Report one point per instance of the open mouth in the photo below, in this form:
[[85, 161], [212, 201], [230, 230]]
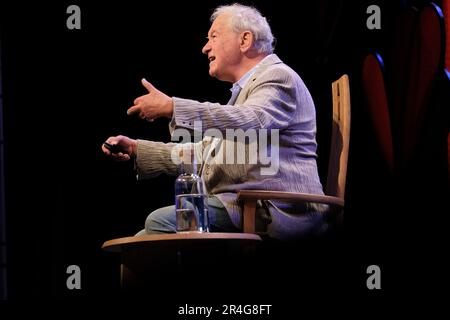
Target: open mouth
[[211, 58]]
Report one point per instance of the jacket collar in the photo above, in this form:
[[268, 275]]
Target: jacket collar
[[269, 61]]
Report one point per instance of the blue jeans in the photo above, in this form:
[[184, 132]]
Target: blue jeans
[[163, 220]]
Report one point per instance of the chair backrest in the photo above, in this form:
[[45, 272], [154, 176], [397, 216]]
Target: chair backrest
[[340, 138], [446, 8], [448, 156], [427, 61], [378, 106], [398, 77]]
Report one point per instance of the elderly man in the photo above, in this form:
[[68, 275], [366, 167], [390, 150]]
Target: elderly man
[[267, 96]]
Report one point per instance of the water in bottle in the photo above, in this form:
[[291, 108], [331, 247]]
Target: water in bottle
[[190, 204]]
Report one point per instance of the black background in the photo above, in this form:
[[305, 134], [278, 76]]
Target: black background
[[66, 91]]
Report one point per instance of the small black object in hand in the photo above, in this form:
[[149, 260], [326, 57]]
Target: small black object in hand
[[114, 148]]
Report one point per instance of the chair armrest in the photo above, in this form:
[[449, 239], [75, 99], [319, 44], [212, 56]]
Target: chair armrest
[[249, 198], [289, 196]]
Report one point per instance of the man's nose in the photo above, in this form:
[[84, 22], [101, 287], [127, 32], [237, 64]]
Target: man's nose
[[206, 48]]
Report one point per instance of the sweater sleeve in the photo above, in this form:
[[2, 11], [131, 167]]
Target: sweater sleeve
[[155, 158]]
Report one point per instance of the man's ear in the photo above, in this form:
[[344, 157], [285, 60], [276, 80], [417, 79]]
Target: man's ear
[[246, 40]]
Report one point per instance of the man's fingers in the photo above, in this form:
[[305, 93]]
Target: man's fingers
[[143, 116], [106, 151], [121, 157], [133, 110], [110, 140], [117, 156], [147, 85]]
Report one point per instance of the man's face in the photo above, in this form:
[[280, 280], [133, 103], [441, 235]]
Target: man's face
[[223, 50]]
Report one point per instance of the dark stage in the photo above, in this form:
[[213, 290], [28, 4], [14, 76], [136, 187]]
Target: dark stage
[[65, 91]]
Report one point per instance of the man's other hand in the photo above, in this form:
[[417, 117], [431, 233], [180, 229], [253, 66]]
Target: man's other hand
[[153, 105], [127, 148]]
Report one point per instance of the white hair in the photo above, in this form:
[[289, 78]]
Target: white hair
[[245, 18]]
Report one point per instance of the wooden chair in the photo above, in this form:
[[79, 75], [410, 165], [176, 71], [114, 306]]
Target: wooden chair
[[337, 166], [425, 65], [373, 81], [446, 9], [173, 252]]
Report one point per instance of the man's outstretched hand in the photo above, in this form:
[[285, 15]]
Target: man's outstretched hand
[[120, 148], [153, 105]]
